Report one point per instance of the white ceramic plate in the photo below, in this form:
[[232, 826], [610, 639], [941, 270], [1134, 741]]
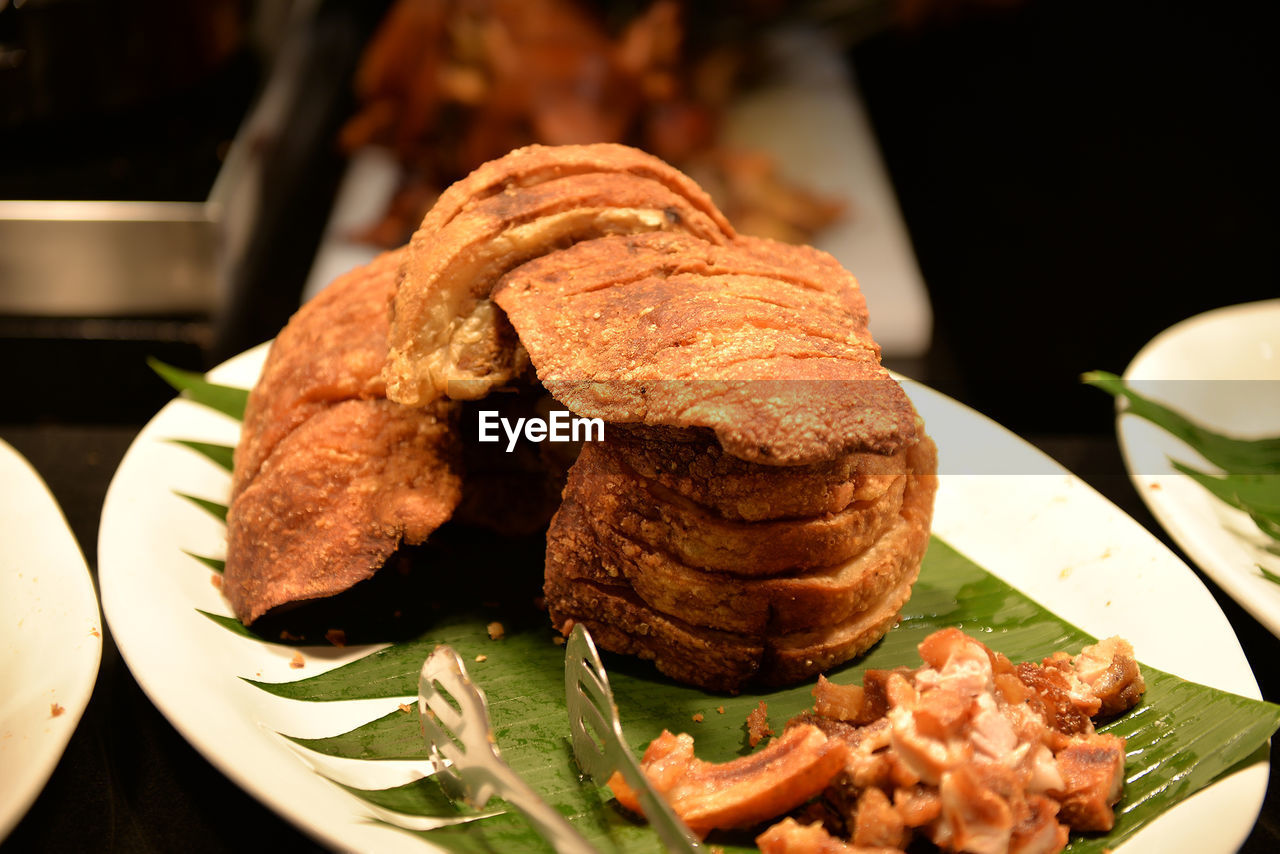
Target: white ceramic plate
[[1221, 368], [1001, 502], [50, 636]]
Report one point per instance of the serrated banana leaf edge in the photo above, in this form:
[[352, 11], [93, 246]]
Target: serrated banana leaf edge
[[1179, 739]]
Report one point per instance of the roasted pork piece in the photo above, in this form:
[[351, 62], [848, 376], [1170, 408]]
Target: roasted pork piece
[[765, 344], [781, 625], [765, 511], [330, 477], [447, 337], [968, 751], [762, 515]]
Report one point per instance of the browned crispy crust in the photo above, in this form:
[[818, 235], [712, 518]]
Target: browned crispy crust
[[332, 349], [446, 338], [661, 520], [334, 500], [668, 330], [692, 464], [535, 164], [762, 512], [723, 631], [758, 605], [329, 476], [709, 658]]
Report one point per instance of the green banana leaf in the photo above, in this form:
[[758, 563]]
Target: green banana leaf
[[225, 399], [1180, 738]]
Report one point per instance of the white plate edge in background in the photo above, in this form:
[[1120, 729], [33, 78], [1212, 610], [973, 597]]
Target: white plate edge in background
[[1216, 537], [45, 584]]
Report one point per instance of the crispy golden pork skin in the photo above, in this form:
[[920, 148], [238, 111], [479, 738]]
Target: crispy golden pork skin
[[331, 350], [764, 344], [661, 520], [335, 500], [330, 477], [693, 465], [746, 602], [447, 338], [713, 659]]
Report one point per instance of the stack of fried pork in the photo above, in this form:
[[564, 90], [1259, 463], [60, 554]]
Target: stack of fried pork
[[760, 506]]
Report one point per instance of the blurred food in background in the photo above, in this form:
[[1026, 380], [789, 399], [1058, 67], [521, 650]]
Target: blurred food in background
[[449, 84]]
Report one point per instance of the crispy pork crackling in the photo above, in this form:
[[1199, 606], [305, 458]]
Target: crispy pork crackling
[[760, 507], [329, 476], [764, 344], [447, 338], [780, 602]]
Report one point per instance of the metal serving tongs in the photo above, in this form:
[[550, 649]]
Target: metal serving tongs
[[592, 710], [454, 716]]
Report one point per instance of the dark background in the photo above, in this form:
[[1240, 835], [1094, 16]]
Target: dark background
[[1075, 177]]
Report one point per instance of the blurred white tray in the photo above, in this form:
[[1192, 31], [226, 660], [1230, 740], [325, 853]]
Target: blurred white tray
[[812, 119]]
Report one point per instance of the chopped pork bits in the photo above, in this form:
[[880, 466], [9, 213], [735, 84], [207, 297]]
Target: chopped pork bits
[[969, 751]]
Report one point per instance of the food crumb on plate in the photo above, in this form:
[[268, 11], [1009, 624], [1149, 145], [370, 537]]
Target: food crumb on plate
[[697, 717], [496, 630], [758, 724], [55, 710], [297, 662], [216, 580], [406, 707], [482, 657]]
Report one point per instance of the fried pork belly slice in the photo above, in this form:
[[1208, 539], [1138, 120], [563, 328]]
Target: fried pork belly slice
[[763, 344], [447, 338], [537, 164], [1093, 770], [779, 603], [876, 823], [660, 520], [983, 755], [334, 500], [622, 622], [1112, 674], [691, 464], [791, 837], [1104, 679], [332, 349], [743, 792]]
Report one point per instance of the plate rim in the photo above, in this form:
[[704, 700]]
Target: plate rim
[[74, 696], [1165, 506]]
